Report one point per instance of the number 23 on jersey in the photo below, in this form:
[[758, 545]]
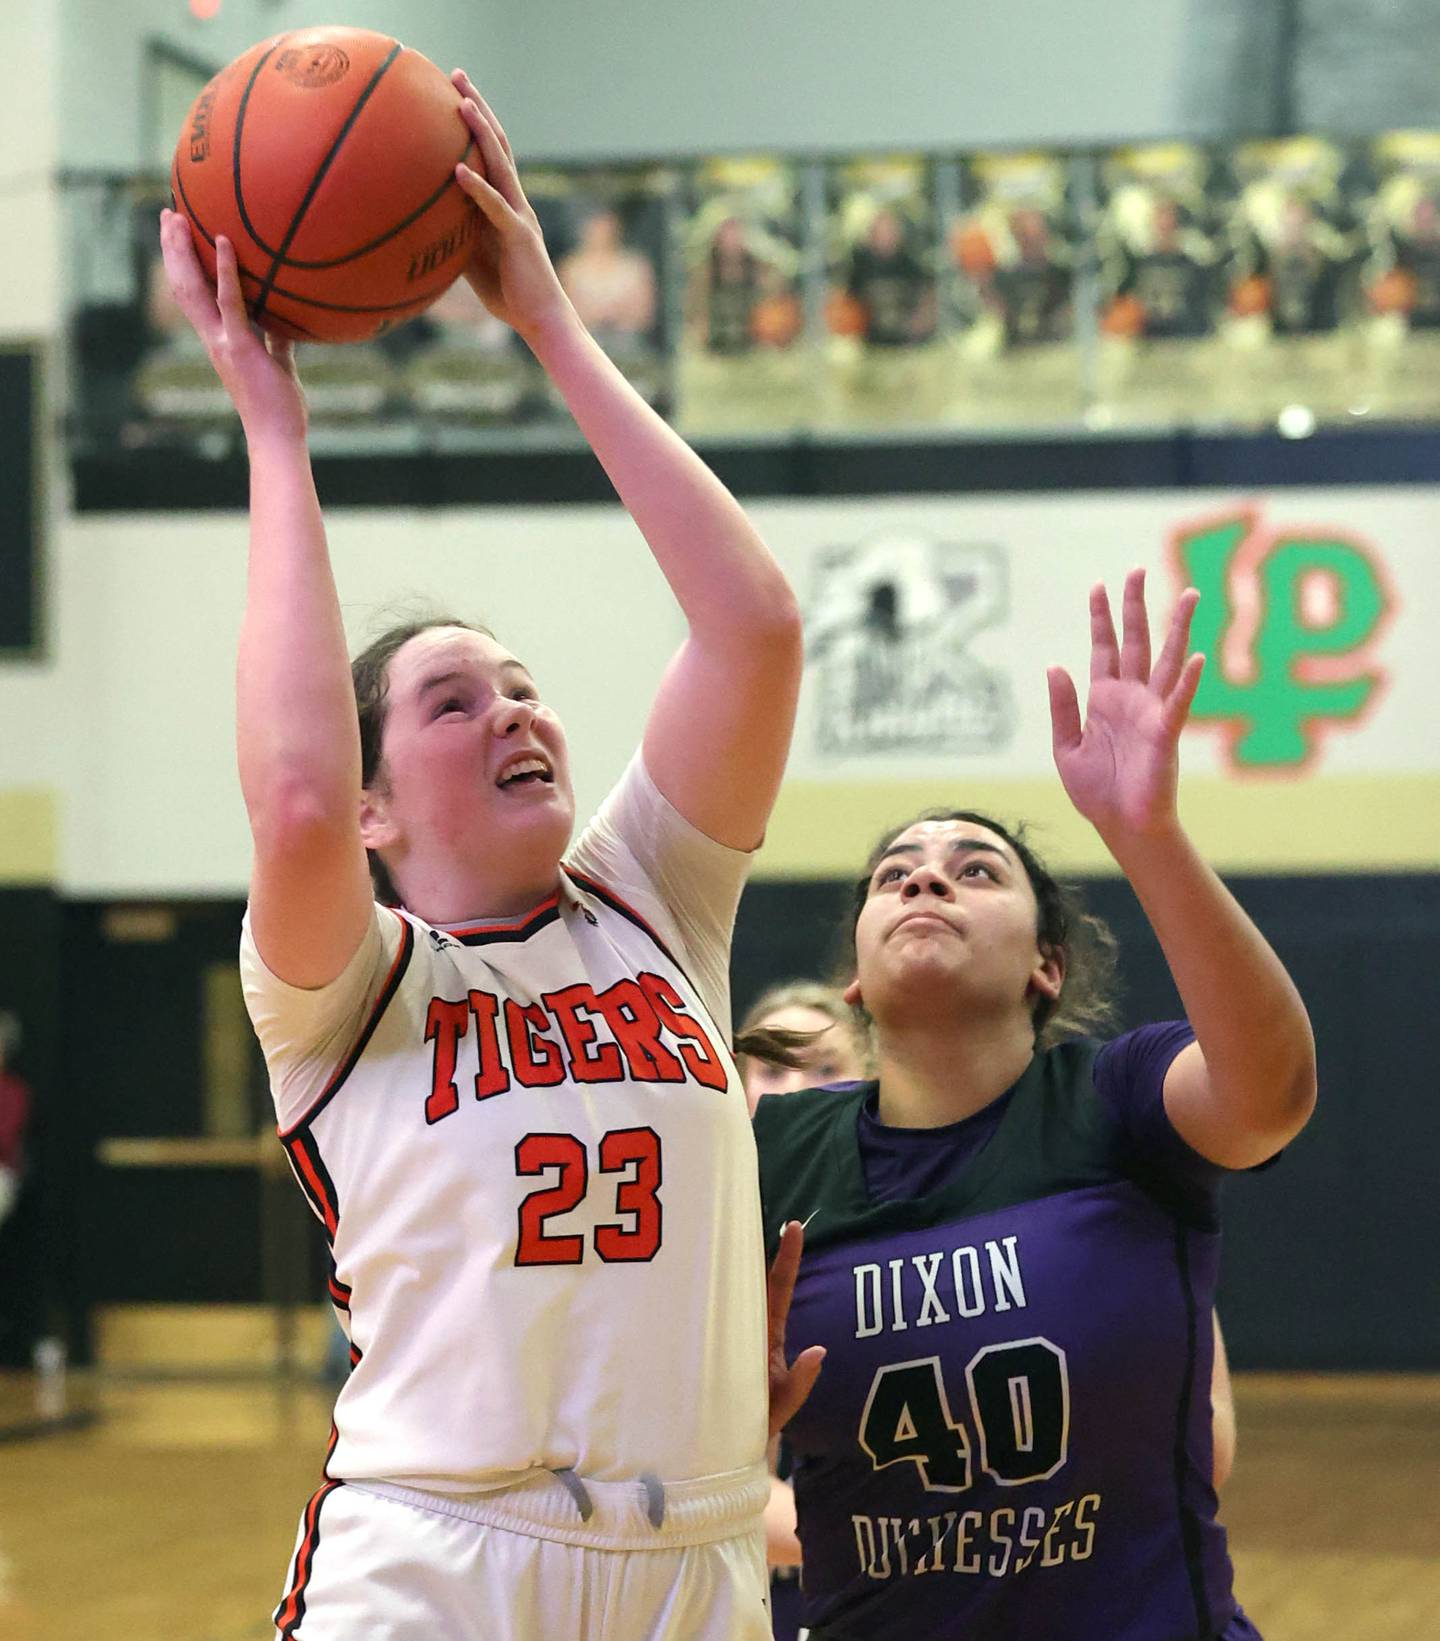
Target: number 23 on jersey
[[631, 1156]]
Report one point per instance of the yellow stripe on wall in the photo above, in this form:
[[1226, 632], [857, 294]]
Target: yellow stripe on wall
[[1356, 823], [29, 829]]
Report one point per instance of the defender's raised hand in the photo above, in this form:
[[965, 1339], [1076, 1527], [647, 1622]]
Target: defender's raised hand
[[1121, 767]]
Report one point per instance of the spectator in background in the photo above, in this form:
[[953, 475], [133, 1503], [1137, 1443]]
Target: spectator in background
[[892, 285], [15, 1105], [612, 287], [1168, 278], [1032, 280]]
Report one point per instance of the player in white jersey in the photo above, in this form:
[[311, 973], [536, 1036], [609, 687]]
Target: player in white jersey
[[508, 1093]]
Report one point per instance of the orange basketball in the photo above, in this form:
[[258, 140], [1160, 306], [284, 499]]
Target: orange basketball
[[971, 250], [1125, 316], [777, 320], [327, 156], [1395, 291], [846, 315], [1250, 296]]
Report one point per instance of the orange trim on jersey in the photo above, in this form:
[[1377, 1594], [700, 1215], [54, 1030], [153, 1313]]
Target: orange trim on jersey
[[382, 1002], [625, 909], [502, 925], [315, 1181], [291, 1610]]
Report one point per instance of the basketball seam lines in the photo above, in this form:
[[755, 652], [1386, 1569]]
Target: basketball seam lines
[[267, 284], [235, 148], [295, 296], [209, 238], [390, 233]]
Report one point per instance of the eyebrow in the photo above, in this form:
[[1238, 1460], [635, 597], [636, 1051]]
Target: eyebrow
[[455, 676], [961, 846]]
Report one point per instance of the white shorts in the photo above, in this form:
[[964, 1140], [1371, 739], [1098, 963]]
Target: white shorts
[[537, 1562]]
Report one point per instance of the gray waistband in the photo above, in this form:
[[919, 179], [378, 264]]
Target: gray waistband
[[644, 1514]]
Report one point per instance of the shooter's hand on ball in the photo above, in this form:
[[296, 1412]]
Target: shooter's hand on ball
[[258, 371], [511, 271]]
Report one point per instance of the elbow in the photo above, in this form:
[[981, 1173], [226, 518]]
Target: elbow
[[1223, 1458], [1303, 1084], [296, 816], [784, 623], [777, 613]]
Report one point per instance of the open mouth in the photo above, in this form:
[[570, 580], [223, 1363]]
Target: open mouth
[[523, 772]]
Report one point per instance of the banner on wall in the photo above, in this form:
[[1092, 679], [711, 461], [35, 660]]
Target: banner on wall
[[929, 625]]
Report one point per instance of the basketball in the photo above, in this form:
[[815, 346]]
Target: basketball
[[327, 157], [777, 320], [846, 315], [1124, 317], [1250, 296], [1395, 291]]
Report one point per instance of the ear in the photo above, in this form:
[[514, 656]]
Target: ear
[[851, 994], [377, 830], [1048, 976]]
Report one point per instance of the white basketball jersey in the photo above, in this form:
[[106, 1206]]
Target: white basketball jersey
[[537, 1176]]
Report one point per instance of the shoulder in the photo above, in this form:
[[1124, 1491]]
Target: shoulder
[[784, 1122], [801, 1140]]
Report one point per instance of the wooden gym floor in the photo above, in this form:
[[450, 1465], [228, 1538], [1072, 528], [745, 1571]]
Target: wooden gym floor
[[171, 1515]]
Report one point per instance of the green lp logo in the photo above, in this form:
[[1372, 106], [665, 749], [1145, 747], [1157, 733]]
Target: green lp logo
[[1289, 624]]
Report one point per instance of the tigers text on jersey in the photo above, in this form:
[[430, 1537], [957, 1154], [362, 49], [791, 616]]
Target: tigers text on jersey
[[536, 1172], [1011, 1437]]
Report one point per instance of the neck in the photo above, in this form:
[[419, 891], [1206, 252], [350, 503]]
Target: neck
[[449, 893], [933, 1074]]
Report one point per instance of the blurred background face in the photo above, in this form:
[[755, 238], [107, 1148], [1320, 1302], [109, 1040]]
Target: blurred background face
[[601, 232], [835, 1055], [885, 233]]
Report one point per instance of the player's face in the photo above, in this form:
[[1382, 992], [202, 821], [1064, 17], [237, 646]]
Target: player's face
[[473, 765], [833, 1056], [949, 929]]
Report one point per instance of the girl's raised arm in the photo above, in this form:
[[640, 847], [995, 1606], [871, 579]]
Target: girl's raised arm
[[297, 735]]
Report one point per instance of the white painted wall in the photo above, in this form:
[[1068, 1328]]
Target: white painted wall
[[152, 610], [30, 310]]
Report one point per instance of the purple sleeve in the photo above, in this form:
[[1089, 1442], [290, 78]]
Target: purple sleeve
[[1130, 1079]]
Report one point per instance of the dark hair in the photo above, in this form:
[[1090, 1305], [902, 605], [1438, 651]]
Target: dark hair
[[370, 674], [784, 1046], [1085, 1005]]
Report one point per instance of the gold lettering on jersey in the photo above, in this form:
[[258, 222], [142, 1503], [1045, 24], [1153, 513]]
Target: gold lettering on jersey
[[963, 1283], [637, 1030], [977, 1543]]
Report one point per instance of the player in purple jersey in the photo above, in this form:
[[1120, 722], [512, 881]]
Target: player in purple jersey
[[1012, 1241]]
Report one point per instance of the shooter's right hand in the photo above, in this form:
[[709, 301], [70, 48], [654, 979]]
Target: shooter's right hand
[[257, 370]]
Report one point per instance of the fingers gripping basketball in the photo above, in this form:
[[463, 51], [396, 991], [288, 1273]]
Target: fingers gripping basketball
[[327, 157]]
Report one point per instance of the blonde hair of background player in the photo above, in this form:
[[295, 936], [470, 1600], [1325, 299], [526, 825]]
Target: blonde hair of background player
[[826, 1041]]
